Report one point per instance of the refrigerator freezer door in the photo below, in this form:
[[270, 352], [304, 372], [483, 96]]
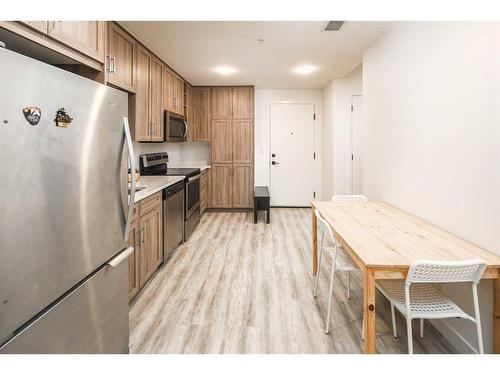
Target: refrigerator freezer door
[[91, 319], [63, 189]]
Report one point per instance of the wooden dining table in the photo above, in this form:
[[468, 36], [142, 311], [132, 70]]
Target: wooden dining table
[[384, 241]]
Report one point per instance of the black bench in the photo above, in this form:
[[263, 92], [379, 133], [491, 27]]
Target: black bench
[[261, 199]]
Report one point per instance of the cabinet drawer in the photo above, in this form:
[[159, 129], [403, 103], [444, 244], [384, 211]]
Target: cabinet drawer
[[147, 204]]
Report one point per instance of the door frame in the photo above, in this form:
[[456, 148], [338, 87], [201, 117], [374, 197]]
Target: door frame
[[317, 160]]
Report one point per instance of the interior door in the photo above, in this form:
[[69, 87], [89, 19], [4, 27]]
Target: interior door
[[356, 154], [292, 155]]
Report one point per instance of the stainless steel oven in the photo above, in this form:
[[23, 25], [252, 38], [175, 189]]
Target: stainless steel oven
[[176, 127]]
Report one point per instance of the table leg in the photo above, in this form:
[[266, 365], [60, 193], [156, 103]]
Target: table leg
[[314, 241], [496, 316], [369, 309], [255, 212]]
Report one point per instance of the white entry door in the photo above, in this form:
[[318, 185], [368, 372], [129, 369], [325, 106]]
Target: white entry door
[[292, 155], [356, 154]]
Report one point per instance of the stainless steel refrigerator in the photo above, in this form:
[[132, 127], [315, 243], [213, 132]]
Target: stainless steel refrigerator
[[64, 211]]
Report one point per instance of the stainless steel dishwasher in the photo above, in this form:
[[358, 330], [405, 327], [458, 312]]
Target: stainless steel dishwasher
[[173, 218]]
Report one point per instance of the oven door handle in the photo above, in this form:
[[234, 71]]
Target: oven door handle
[[194, 178]]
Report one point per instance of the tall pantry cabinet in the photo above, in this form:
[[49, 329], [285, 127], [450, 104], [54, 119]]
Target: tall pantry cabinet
[[232, 145]]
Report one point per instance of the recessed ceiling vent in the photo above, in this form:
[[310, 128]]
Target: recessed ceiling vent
[[333, 25]]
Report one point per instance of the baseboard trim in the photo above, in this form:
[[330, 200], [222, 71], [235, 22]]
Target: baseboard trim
[[454, 337]]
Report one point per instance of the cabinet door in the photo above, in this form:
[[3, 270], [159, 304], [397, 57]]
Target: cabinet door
[[221, 185], [191, 136], [143, 95], [201, 114], [151, 253], [156, 100], [41, 26], [242, 101], [168, 89], [133, 260], [221, 103], [242, 185], [221, 141], [85, 36], [203, 190], [178, 95], [242, 141], [120, 59]]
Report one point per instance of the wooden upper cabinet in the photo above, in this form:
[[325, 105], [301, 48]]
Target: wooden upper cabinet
[[41, 26], [142, 121], [242, 102], [221, 103], [242, 141], [201, 113], [188, 111], [221, 141], [85, 36], [120, 58], [168, 89], [151, 253], [133, 260], [178, 95], [221, 192], [156, 115], [242, 185]]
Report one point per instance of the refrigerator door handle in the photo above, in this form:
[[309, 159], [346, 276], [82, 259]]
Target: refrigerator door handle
[[131, 156], [120, 257]]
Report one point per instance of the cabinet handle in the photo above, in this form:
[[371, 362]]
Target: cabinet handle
[[108, 64], [112, 65], [142, 237]]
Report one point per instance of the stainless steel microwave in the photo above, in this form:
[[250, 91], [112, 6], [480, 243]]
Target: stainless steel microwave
[[176, 127]]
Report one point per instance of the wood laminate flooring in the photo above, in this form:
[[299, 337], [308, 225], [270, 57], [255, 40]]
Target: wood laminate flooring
[[239, 287]]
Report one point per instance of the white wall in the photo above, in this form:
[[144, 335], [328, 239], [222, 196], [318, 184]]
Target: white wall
[[336, 139], [263, 100], [327, 142], [432, 138]]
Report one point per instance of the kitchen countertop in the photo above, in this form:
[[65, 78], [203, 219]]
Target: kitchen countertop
[[154, 184]]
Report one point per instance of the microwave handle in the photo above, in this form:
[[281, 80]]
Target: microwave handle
[[184, 122]]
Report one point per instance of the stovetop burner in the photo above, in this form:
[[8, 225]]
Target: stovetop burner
[[188, 172]]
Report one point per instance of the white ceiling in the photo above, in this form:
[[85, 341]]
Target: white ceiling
[[194, 48]]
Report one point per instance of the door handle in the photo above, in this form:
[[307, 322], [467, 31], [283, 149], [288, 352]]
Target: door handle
[[274, 163], [131, 157], [120, 257]]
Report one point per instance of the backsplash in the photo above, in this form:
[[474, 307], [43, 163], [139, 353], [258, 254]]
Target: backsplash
[[178, 153]]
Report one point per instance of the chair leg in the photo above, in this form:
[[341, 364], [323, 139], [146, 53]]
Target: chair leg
[[409, 334], [348, 285], [421, 328], [393, 316], [478, 319], [330, 297], [315, 292]]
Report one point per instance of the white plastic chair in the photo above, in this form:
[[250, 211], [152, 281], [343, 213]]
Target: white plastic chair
[[426, 300], [349, 198], [341, 262]]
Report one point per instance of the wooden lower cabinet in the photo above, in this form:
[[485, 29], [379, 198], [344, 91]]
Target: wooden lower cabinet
[[242, 185], [203, 191], [221, 191], [151, 249], [146, 236], [133, 261]]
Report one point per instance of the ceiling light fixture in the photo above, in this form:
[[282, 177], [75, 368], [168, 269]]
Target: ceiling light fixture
[[224, 70], [305, 69]]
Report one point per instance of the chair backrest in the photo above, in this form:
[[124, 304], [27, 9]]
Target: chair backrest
[[325, 226], [446, 272], [349, 198]]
